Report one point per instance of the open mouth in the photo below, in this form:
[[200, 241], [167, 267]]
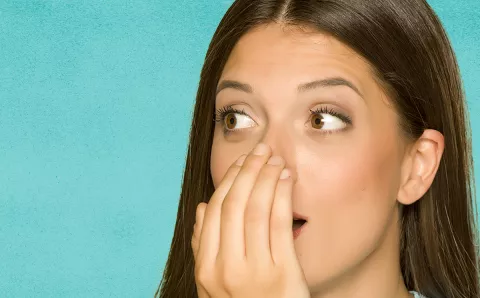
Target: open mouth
[[298, 223]]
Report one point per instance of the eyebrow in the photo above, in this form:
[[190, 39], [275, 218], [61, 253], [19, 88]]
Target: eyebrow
[[328, 82]]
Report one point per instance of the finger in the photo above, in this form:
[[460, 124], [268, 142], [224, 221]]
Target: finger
[[201, 293], [232, 238], [259, 209], [197, 228], [281, 235], [210, 234]]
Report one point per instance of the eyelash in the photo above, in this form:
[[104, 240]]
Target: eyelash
[[327, 110], [220, 114]]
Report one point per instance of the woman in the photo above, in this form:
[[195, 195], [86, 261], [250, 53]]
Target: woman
[[360, 183]]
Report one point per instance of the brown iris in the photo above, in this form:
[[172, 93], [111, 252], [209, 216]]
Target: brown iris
[[230, 120], [317, 121]]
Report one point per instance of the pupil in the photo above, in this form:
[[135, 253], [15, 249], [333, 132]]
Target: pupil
[[231, 121], [317, 121]]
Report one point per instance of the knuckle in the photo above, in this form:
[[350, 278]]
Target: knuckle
[[231, 279], [231, 273], [228, 205], [253, 162], [200, 212], [201, 208], [253, 214], [233, 170], [202, 276], [269, 173], [194, 241], [196, 229]]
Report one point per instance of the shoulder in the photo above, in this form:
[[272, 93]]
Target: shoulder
[[416, 295]]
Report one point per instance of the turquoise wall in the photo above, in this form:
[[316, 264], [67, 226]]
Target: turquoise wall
[[95, 106]]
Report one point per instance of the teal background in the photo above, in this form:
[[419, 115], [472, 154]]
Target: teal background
[[95, 106]]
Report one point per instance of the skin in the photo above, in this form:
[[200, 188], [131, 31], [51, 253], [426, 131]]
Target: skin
[[243, 243], [349, 180]]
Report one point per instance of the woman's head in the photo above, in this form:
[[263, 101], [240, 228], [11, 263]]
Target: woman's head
[[353, 165], [363, 100]]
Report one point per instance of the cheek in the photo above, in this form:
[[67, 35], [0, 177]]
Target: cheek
[[351, 190], [352, 202], [349, 179], [218, 166], [223, 155]]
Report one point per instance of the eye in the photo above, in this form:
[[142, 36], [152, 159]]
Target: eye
[[324, 119], [329, 120], [231, 118]]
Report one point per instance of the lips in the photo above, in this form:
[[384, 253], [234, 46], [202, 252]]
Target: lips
[[298, 223]]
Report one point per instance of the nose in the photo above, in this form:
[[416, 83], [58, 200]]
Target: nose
[[282, 144]]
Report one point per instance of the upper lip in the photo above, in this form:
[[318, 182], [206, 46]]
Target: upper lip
[[297, 216]]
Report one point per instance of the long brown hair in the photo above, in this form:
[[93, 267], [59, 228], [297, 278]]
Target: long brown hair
[[413, 59]]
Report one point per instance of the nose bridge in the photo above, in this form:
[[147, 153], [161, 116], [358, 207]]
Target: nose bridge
[[280, 139]]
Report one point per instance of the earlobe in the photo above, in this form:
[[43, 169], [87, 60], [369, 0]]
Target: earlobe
[[420, 166]]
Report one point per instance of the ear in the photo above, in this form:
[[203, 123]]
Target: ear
[[420, 166]]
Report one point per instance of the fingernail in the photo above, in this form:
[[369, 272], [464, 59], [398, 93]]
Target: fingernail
[[275, 160], [261, 149], [284, 174], [241, 160]]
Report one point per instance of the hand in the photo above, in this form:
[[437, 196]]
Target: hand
[[243, 242]]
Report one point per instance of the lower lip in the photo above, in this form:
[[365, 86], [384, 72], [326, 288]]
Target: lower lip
[[297, 232]]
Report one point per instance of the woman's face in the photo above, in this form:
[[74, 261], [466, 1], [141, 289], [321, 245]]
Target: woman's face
[[346, 159]]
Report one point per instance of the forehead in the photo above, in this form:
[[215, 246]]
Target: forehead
[[292, 54]]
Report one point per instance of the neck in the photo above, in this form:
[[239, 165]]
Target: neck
[[377, 276]]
